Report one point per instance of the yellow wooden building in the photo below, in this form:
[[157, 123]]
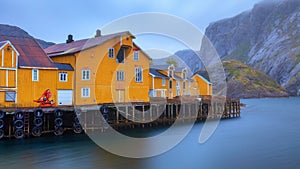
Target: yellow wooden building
[[107, 68], [64, 87], [203, 85], [166, 81], [104, 69], [25, 72]]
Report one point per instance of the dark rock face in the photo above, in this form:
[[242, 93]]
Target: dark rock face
[[191, 59], [15, 31], [266, 38], [44, 44], [8, 30]]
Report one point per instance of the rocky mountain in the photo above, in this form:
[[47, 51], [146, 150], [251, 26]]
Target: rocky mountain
[[266, 38], [185, 58], [246, 82], [163, 61], [9, 30], [44, 44]]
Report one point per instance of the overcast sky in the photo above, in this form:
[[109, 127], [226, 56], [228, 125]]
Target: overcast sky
[[53, 20]]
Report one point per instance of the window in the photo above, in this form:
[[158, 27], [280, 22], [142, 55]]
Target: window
[[120, 76], [163, 93], [35, 75], [177, 92], [138, 74], [163, 82], [63, 76], [170, 84], [136, 55], [183, 85], [111, 52], [152, 93], [170, 73], [85, 74], [10, 96], [184, 74], [85, 92]]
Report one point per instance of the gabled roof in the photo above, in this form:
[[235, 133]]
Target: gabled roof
[[79, 45], [156, 73], [177, 77], [197, 74], [31, 55], [4, 43], [64, 66], [166, 67], [135, 45]]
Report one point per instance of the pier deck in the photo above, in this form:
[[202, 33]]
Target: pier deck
[[27, 122]]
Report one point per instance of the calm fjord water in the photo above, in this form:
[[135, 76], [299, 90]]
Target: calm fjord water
[[266, 136]]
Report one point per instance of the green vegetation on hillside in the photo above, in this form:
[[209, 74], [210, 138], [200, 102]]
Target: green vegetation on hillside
[[245, 82], [250, 82], [172, 61]]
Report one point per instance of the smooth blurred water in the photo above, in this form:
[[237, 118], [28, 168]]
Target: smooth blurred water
[[266, 136]]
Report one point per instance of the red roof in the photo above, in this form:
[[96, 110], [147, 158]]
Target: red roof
[[31, 54], [77, 46]]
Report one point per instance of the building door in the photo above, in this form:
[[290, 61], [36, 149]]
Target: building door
[[120, 96], [64, 97]]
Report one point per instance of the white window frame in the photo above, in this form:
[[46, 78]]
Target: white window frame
[[163, 93], [136, 56], [177, 92], [35, 75], [85, 74], [120, 76], [63, 76], [111, 53], [85, 92], [138, 74], [163, 82]]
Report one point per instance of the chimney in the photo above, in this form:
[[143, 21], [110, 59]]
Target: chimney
[[98, 33], [70, 39]]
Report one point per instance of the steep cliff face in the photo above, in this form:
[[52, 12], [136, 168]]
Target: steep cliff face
[[266, 38]]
